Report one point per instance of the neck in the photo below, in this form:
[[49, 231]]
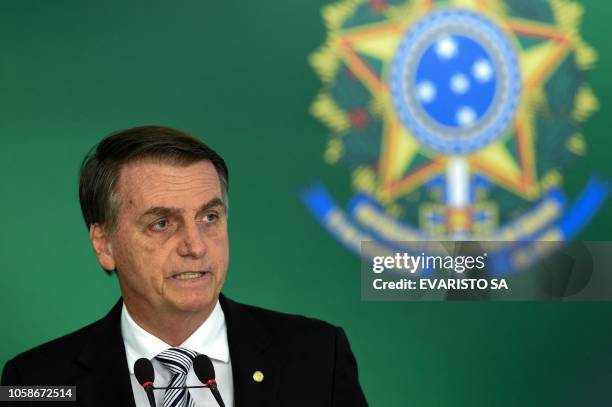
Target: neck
[[174, 327]]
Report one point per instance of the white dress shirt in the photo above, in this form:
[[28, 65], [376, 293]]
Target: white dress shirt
[[209, 339]]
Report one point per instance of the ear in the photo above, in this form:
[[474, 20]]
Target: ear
[[102, 246]]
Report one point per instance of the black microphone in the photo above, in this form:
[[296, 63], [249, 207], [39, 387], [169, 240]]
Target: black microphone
[[205, 372], [143, 370]]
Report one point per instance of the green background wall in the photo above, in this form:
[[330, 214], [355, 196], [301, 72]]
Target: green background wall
[[236, 74]]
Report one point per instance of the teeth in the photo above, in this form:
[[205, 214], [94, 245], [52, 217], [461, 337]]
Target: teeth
[[187, 276]]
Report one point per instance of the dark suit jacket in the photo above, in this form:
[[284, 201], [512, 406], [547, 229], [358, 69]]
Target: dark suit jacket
[[305, 362]]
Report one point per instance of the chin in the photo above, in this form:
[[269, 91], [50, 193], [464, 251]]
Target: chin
[[201, 303]]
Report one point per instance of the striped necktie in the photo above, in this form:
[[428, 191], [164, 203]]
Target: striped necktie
[[178, 361]]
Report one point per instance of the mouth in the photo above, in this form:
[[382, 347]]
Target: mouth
[[190, 275]]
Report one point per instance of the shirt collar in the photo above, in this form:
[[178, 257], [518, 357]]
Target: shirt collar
[[209, 339]]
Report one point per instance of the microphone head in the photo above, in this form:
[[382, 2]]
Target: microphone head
[[143, 370], [203, 368]]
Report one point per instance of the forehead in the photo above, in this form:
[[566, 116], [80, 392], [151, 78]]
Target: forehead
[[146, 183]]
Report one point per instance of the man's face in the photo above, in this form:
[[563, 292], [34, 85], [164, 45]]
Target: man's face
[[170, 246]]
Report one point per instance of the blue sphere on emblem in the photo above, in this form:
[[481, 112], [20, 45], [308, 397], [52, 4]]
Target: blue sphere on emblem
[[455, 88], [455, 81]]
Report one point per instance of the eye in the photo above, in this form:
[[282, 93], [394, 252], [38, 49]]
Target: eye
[[160, 225], [211, 217]]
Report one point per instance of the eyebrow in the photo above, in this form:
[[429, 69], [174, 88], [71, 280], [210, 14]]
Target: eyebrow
[[163, 211]]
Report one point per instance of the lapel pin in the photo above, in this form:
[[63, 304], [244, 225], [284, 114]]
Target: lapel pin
[[258, 376]]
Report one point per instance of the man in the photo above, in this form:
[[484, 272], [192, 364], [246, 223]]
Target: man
[[154, 200]]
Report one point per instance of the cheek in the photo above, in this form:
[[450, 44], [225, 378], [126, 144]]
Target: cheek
[[156, 257], [139, 257], [221, 240], [223, 256], [219, 247]]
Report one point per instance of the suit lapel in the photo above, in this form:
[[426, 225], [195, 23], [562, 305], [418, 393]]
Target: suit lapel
[[108, 381], [250, 352]]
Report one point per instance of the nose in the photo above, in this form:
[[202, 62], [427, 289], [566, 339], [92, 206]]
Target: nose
[[193, 243]]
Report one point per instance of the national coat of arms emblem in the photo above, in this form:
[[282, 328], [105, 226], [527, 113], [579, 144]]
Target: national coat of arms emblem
[[456, 119]]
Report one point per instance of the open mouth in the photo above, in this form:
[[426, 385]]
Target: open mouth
[[189, 275]]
